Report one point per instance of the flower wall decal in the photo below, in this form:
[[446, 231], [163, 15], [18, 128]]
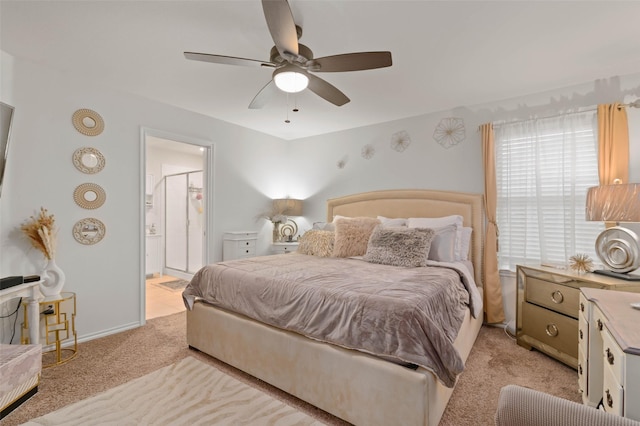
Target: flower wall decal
[[342, 162], [400, 140], [449, 132], [368, 151]]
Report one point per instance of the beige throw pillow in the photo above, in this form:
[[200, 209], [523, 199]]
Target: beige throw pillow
[[352, 235], [316, 243]]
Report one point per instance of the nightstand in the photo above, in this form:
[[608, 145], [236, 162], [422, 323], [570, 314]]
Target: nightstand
[[283, 248], [59, 324], [609, 369], [547, 308], [238, 245]]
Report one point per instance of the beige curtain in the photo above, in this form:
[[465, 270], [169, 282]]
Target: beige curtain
[[613, 144], [494, 312]]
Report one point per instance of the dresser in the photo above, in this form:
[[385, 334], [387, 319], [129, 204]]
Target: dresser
[[284, 248], [547, 305], [609, 351], [238, 245]]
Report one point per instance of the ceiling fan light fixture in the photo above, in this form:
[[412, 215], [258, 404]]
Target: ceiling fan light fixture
[[289, 80]]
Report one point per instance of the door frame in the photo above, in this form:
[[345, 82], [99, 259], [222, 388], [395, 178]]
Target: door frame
[[208, 179]]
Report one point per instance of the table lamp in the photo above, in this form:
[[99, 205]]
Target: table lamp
[[617, 247]]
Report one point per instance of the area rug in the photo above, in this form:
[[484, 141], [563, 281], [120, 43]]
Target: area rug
[[175, 285], [188, 392]]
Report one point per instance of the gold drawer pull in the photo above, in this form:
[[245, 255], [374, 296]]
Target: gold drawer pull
[[609, 356], [557, 297], [552, 330], [599, 325], [609, 399]]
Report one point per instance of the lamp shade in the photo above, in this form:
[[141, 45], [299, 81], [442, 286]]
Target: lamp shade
[[614, 203], [288, 206]]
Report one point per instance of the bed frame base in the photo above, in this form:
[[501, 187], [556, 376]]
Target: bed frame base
[[351, 385]]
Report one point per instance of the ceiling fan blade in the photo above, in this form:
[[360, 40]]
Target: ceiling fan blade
[[227, 60], [281, 26], [264, 95], [326, 90], [351, 62]]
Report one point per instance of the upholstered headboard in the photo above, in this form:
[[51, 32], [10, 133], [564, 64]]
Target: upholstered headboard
[[419, 203]]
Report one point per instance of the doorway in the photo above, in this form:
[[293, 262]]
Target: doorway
[[175, 220]]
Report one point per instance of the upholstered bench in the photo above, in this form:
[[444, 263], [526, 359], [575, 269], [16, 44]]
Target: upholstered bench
[[20, 367]]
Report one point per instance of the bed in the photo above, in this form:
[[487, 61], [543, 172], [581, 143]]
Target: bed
[[354, 385]]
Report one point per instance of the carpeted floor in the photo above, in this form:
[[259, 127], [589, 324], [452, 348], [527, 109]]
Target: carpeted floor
[[496, 360]]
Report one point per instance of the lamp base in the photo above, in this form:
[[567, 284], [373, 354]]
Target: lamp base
[[626, 277]]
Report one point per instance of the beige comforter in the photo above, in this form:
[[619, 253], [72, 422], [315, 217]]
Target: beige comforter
[[405, 314]]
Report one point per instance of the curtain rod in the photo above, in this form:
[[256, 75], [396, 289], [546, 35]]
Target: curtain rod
[[634, 104]]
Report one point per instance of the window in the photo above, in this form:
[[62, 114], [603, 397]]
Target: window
[[543, 170]]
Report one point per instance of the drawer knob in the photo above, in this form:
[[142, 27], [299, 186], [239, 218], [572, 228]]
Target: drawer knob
[[609, 398], [599, 325], [552, 330], [610, 358], [557, 297], [582, 306], [246, 243], [581, 334]]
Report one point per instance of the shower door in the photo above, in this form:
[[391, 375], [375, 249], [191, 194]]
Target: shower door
[[184, 211]]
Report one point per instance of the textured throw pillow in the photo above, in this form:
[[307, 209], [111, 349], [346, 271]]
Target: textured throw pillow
[[316, 243], [399, 246], [443, 245], [352, 235], [385, 221], [437, 222]]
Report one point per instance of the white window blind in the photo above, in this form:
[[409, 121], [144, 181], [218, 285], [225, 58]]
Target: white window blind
[[543, 170]]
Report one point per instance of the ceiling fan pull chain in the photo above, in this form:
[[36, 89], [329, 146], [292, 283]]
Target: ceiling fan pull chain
[[287, 120]]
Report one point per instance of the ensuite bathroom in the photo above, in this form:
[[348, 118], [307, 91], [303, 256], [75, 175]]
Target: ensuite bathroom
[[174, 221]]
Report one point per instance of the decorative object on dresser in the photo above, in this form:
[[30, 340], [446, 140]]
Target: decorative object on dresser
[[618, 247], [609, 368], [547, 304], [87, 122], [238, 245], [581, 263], [42, 233]]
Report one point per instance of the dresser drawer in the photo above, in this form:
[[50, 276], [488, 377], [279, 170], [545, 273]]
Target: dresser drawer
[[583, 334], [583, 371], [613, 394], [613, 356], [249, 251], [557, 297], [553, 329]]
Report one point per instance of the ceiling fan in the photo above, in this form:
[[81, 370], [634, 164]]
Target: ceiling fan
[[293, 63]]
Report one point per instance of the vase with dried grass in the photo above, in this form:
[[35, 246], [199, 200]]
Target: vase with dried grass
[[41, 231]]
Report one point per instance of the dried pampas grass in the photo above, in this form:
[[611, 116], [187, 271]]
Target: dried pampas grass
[[41, 232]]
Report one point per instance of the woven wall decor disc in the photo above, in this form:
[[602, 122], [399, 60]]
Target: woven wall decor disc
[[89, 196], [89, 231], [88, 122], [88, 160]]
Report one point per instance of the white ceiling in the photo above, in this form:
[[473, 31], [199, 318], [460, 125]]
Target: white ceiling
[[446, 54]]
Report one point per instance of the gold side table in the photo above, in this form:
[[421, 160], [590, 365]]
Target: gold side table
[[59, 327]]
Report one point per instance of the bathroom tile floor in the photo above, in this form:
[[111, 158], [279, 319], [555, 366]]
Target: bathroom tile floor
[[161, 300]]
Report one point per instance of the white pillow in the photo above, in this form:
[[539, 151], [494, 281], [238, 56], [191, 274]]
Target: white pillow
[[388, 222], [443, 244], [439, 222], [465, 243]]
